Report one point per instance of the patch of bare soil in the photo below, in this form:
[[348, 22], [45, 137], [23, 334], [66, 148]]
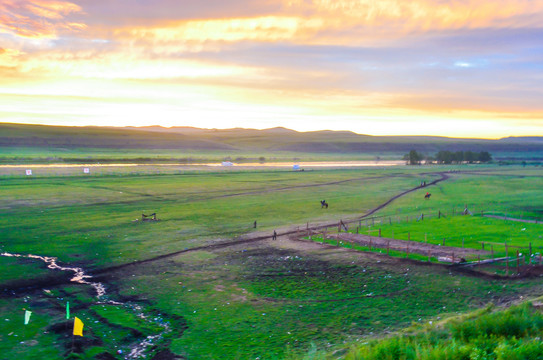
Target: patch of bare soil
[[410, 246]]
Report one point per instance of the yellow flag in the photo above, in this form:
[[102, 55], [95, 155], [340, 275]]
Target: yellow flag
[[78, 327]]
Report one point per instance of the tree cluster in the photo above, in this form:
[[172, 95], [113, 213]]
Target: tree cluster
[[448, 157]]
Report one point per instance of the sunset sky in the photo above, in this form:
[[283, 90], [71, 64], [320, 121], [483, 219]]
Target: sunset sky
[[464, 68]]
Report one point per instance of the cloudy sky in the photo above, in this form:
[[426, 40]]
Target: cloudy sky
[[467, 68]]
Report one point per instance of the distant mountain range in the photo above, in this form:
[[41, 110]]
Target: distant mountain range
[[238, 139]]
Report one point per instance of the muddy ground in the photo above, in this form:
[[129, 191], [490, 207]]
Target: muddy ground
[[413, 247]]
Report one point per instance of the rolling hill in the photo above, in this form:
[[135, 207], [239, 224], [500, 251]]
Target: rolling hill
[[254, 141]]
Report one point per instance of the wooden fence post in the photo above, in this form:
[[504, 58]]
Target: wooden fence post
[[439, 214], [388, 246], [443, 242], [506, 260], [483, 245], [408, 236]]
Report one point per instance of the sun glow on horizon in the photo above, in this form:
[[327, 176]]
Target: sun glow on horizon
[[373, 67]]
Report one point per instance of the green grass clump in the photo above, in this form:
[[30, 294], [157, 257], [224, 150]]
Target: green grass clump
[[517, 322], [502, 335]]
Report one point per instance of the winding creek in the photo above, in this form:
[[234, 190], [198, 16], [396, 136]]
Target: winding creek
[[137, 351]]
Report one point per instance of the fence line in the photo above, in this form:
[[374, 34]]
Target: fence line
[[368, 222]]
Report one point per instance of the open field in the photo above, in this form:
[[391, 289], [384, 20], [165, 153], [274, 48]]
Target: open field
[[204, 284], [77, 155]]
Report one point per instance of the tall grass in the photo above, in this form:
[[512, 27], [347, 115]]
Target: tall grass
[[514, 333]]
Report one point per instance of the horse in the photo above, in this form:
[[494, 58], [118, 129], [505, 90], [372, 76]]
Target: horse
[[324, 204], [427, 196]]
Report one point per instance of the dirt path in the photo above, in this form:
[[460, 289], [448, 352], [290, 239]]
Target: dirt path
[[443, 175], [263, 191], [412, 246], [513, 219]]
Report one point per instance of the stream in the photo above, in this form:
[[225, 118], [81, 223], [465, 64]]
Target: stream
[[137, 351]]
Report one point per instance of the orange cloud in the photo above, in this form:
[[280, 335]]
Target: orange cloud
[[337, 22], [426, 14], [37, 18], [9, 57], [263, 28]]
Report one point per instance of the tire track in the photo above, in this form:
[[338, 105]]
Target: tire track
[[193, 197], [513, 219]]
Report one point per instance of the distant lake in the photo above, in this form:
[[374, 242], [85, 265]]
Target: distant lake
[[302, 165]]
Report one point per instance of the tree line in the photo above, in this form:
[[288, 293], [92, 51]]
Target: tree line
[[448, 157]]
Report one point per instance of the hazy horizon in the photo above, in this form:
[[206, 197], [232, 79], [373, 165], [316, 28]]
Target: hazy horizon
[[277, 127]]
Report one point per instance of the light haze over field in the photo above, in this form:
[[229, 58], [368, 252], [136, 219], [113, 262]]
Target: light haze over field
[[470, 68]]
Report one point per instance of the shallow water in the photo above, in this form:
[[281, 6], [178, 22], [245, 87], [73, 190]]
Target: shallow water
[[137, 351], [79, 274], [277, 164]]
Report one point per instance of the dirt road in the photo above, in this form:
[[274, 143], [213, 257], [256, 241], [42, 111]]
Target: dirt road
[[416, 247]]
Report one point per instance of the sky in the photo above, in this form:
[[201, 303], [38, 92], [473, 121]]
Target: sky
[[459, 68]]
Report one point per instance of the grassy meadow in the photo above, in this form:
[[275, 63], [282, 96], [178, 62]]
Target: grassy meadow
[[80, 155], [262, 299], [485, 334]]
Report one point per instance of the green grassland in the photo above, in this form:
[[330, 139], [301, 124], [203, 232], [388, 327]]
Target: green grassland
[[265, 299], [80, 155]]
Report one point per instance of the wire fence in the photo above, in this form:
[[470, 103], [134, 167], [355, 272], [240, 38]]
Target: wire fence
[[495, 257]]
